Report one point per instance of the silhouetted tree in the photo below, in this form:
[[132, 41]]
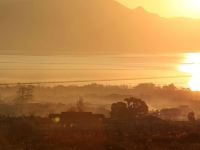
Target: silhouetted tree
[[136, 107], [80, 105], [119, 111], [191, 117], [24, 94]]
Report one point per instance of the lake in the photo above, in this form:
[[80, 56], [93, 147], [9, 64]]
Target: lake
[[157, 68]]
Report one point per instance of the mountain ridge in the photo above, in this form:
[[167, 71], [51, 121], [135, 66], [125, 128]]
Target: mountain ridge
[[100, 26]]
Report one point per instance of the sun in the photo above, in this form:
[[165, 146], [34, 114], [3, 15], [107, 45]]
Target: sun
[[191, 65], [191, 7]]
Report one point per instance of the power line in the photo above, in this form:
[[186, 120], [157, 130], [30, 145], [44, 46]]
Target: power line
[[85, 69], [88, 81]]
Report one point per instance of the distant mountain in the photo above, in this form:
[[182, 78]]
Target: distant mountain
[[91, 26]]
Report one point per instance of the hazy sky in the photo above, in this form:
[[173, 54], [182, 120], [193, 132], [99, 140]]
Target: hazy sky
[[168, 8]]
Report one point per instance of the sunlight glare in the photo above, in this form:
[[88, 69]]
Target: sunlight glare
[[192, 66], [192, 4], [192, 8]]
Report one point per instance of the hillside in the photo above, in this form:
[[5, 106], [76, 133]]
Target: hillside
[[100, 26]]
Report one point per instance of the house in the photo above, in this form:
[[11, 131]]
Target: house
[[79, 120]]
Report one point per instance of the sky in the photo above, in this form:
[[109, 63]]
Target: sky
[[167, 8]]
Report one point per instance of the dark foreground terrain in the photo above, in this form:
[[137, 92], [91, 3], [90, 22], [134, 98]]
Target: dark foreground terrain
[[130, 127], [32, 133]]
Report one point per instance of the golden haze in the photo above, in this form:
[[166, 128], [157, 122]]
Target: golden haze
[[168, 8]]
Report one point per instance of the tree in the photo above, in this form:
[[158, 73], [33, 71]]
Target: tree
[[24, 94], [191, 117], [80, 105], [119, 111], [136, 107], [133, 108]]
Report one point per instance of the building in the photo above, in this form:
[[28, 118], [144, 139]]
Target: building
[[79, 120]]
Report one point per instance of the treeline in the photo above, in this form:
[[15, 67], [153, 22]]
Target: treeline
[[156, 96], [99, 97]]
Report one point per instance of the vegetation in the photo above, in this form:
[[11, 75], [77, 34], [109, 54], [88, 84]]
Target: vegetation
[[24, 94], [130, 127], [133, 109]]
